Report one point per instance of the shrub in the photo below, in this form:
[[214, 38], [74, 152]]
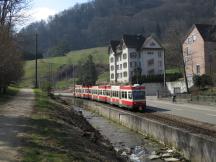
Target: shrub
[[202, 81]]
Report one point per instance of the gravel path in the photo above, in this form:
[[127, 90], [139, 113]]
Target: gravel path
[[13, 118]]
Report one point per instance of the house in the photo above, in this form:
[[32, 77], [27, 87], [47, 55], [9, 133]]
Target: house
[[199, 51], [133, 53]]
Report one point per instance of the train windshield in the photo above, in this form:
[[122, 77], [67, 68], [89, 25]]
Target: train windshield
[[138, 95]]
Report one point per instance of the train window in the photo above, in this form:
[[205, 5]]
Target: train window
[[124, 95], [129, 95], [138, 95], [113, 93], [108, 93]]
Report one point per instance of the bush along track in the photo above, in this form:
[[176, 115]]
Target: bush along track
[[57, 133]]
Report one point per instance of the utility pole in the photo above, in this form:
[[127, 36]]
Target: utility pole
[[36, 63], [164, 75]]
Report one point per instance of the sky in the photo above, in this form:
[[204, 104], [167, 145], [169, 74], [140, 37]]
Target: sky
[[42, 9]]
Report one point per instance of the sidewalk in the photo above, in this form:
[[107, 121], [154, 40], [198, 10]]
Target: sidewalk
[[13, 120]]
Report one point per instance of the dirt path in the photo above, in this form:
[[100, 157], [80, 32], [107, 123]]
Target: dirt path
[[13, 118]]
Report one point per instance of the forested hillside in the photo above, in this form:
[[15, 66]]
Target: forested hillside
[[94, 23]]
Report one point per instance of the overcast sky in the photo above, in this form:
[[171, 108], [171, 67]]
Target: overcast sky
[[42, 9]]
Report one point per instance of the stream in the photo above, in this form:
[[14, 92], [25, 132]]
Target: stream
[[132, 146]]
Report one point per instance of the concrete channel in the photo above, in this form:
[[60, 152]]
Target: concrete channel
[[130, 145], [194, 147]]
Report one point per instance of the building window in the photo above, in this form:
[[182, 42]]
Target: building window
[[150, 52], [124, 56], [194, 38], [133, 55], [152, 44], [117, 67], [159, 54], [111, 59], [120, 66], [198, 69], [120, 58], [135, 64], [131, 64], [125, 65], [125, 74], [112, 76], [112, 68], [190, 40], [150, 62], [120, 75]]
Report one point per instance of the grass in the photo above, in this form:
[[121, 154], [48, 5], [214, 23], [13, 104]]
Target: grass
[[42, 141], [11, 92], [64, 84], [173, 70], [55, 134], [99, 54]]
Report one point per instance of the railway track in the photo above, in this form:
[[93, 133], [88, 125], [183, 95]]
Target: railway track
[[187, 124], [190, 125]]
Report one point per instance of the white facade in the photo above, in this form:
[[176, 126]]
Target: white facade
[[149, 58], [152, 58]]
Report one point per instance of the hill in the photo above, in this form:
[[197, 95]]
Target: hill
[[52, 64], [96, 22]]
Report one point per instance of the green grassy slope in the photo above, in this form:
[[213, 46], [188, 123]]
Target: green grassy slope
[[99, 55]]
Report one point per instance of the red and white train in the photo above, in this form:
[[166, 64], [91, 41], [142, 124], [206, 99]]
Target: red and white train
[[131, 97]]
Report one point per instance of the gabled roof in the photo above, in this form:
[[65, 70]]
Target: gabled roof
[[208, 32], [133, 41], [113, 45], [155, 39]]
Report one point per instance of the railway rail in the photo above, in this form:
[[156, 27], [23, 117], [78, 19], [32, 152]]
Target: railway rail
[[187, 124]]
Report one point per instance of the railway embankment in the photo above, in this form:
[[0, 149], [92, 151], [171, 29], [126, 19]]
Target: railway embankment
[[197, 145]]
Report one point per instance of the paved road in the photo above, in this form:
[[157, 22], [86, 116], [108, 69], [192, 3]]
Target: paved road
[[13, 120], [192, 111]]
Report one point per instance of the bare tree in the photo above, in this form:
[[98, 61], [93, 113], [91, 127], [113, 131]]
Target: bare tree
[[12, 12], [11, 66]]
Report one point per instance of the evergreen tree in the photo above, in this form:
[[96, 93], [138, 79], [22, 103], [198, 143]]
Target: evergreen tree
[[87, 74]]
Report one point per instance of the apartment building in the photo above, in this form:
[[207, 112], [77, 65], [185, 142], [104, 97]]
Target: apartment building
[[133, 53], [199, 50]]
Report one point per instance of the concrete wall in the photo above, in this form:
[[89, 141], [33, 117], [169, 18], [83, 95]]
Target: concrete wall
[[153, 88], [178, 84], [196, 148]]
